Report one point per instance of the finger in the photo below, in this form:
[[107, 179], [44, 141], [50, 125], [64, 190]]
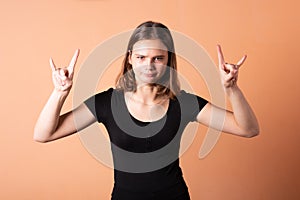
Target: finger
[[230, 69], [225, 68], [74, 60], [63, 74], [52, 65], [58, 80], [241, 61], [230, 78], [233, 69], [220, 56]]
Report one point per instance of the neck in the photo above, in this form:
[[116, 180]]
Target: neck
[[146, 93]]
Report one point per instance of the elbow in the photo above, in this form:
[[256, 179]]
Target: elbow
[[40, 140], [37, 138], [252, 133]]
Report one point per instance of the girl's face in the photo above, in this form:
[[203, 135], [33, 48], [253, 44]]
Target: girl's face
[[149, 59]]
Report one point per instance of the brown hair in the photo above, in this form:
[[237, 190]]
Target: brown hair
[[169, 83]]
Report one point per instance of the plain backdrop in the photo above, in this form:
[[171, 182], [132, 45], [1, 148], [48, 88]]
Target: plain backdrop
[[264, 167]]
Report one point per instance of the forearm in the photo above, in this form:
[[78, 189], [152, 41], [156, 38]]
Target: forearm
[[243, 114], [49, 117]]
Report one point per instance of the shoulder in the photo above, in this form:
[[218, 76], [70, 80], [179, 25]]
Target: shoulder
[[109, 96], [102, 96], [185, 94], [188, 96], [107, 92], [191, 100], [190, 104], [99, 104]]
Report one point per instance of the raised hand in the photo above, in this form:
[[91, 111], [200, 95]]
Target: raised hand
[[63, 77], [228, 72]]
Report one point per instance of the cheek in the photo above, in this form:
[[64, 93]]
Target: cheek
[[137, 70], [136, 65], [161, 68]]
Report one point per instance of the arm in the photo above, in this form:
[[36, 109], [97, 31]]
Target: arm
[[50, 124], [241, 121]]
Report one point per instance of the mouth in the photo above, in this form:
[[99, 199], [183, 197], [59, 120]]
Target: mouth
[[150, 75]]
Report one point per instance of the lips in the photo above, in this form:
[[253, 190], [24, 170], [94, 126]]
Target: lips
[[150, 75]]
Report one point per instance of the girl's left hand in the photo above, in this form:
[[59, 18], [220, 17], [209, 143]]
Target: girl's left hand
[[229, 72]]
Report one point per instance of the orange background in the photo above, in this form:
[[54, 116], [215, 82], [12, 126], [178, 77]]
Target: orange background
[[264, 167]]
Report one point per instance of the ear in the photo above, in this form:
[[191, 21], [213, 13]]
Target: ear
[[129, 57]]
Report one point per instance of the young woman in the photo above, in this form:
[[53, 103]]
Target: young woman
[[145, 115]]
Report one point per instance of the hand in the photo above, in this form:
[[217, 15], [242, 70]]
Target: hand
[[63, 77], [229, 72]]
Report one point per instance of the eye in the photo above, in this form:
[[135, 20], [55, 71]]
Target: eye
[[159, 58], [140, 57]]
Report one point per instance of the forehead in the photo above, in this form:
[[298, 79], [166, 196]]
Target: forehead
[[149, 45]]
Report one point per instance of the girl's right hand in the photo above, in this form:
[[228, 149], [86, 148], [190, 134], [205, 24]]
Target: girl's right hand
[[63, 77]]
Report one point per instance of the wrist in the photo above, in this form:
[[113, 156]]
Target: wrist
[[233, 90], [60, 94]]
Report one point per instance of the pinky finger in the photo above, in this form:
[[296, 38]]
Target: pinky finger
[[242, 60]]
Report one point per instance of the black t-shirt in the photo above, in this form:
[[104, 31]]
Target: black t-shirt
[[145, 154]]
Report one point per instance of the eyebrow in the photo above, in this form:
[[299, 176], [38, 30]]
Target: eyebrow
[[138, 54]]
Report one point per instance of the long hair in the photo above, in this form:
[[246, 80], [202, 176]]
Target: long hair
[[169, 84]]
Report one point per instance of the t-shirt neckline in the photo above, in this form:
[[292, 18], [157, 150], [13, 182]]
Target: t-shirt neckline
[[140, 121]]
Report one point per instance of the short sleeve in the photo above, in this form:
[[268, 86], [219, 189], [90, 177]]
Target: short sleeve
[[99, 103], [191, 105], [201, 103]]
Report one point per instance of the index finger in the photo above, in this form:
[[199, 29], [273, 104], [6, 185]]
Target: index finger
[[220, 55], [52, 65], [74, 59]]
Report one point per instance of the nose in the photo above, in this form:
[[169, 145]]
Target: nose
[[149, 63]]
